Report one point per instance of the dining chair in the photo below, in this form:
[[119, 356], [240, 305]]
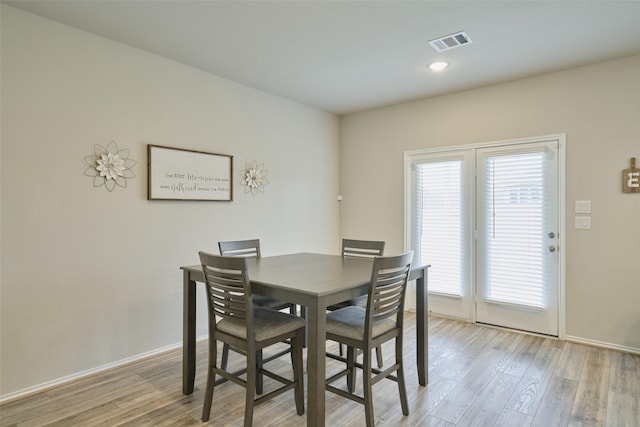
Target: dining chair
[[251, 249], [360, 249], [246, 327], [367, 327]]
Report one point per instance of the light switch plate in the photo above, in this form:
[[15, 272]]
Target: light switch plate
[[583, 206], [583, 222]]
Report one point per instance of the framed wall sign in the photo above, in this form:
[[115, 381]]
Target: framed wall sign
[[178, 174]]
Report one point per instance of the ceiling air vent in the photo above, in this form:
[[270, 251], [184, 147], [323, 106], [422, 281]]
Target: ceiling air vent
[[451, 41]]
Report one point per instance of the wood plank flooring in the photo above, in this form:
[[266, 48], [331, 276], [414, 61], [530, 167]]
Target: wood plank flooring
[[479, 376]]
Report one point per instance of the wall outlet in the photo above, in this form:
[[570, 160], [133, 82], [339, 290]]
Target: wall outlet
[[583, 206], [583, 222]]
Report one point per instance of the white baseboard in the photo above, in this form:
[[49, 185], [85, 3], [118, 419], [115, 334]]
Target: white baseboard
[[53, 383], [570, 338], [602, 344]]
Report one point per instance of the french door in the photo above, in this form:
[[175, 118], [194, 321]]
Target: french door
[[487, 220]]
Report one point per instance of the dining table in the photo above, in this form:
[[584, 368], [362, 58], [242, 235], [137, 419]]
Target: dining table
[[314, 281]]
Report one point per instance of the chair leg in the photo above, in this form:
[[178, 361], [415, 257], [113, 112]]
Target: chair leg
[[298, 370], [367, 388], [259, 378], [402, 389], [351, 376], [303, 314], [379, 356], [225, 356], [211, 379], [251, 388]]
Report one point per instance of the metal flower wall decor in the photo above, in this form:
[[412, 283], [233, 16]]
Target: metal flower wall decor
[[254, 178], [109, 166]]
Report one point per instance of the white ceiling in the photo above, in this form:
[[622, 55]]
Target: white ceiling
[[347, 56]]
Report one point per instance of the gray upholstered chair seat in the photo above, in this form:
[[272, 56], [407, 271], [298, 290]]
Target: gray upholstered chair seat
[[349, 322], [262, 301], [268, 324], [358, 302]]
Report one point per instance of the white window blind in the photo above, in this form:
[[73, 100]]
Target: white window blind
[[439, 220], [513, 229]]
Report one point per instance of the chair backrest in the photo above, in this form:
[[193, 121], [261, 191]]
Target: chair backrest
[[228, 289], [240, 248], [387, 288], [362, 248]]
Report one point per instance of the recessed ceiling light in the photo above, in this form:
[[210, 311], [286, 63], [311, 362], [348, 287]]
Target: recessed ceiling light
[[438, 65]]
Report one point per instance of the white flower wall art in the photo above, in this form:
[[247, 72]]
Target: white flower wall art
[[254, 178], [110, 166]]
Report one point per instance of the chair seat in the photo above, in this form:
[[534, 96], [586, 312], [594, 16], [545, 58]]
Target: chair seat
[[358, 302], [349, 322], [267, 302], [268, 324]]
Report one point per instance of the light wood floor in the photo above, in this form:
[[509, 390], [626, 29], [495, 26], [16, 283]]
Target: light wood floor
[[479, 376]]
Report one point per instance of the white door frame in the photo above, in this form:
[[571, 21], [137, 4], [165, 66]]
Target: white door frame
[[561, 138]]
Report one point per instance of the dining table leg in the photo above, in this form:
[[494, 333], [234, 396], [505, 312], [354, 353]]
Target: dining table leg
[[188, 333], [316, 340], [422, 328]]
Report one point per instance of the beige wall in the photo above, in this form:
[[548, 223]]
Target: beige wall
[[598, 107], [90, 278]]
